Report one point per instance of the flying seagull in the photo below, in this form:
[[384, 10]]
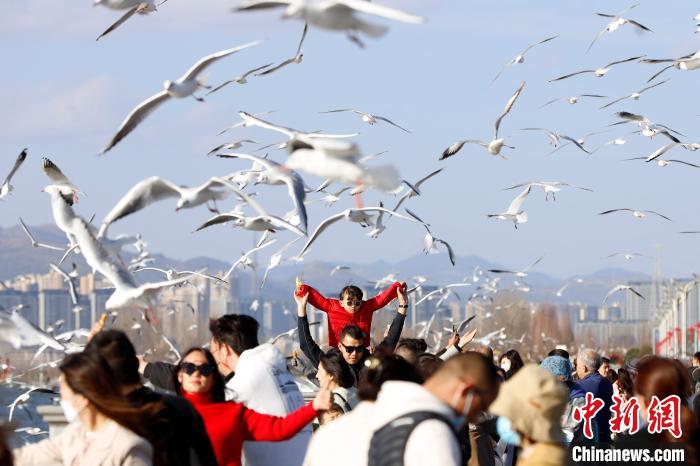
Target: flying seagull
[[686, 63], [242, 79], [514, 213], [368, 118], [637, 213], [6, 187], [336, 15], [185, 86], [634, 95], [155, 189], [295, 59], [598, 72], [414, 189], [518, 273], [277, 174], [520, 58], [430, 242], [36, 243], [549, 187], [616, 22], [555, 138], [626, 255], [620, 288], [496, 144], [143, 7], [360, 216], [573, 99]]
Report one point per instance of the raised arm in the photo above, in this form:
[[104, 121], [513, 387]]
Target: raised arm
[[392, 337], [307, 344], [263, 427], [316, 299], [383, 298]]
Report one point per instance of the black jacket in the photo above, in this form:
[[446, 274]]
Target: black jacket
[[182, 439]]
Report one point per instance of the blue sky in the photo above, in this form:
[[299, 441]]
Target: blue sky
[[64, 95]]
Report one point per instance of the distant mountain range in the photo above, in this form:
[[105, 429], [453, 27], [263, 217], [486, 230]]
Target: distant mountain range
[[18, 257]]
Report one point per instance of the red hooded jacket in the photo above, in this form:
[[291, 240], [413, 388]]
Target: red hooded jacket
[[338, 317]]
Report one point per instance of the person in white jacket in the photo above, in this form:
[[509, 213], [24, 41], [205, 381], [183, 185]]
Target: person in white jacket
[[262, 382], [462, 388]]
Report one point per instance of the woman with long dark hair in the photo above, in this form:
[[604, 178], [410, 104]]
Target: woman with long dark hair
[[229, 423], [104, 427], [510, 362], [662, 378], [336, 373]]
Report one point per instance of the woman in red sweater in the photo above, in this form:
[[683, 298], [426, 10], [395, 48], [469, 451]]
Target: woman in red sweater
[[350, 309], [229, 423]]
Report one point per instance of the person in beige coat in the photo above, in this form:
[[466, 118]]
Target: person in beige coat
[[103, 427], [530, 404]]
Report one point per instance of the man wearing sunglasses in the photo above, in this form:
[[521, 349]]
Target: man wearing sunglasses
[[351, 339], [350, 308]]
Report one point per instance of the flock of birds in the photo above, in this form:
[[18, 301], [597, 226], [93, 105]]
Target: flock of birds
[[334, 158]]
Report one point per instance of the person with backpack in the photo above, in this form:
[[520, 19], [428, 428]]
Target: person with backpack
[[426, 424]]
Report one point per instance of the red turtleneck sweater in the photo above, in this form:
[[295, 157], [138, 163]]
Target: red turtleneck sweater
[[229, 424], [338, 317]]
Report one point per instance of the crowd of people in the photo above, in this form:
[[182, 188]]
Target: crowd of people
[[389, 404]]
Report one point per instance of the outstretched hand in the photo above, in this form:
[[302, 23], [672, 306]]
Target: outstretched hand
[[324, 398], [401, 293], [301, 300], [454, 338], [467, 338]]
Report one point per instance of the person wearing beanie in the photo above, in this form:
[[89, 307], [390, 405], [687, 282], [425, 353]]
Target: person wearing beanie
[[561, 368], [530, 405]]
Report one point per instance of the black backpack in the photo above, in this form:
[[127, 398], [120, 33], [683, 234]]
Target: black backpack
[[388, 444]]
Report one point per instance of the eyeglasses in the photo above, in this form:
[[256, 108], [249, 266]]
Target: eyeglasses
[[205, 370], [353, 349]]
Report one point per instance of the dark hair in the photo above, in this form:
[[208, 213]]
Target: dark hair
[[379, 368], [5, 452], [624, 382], [604, 360], [354, 331], [612, 376], [119, 353], [352, 291], [560, 352], [416, 345], [516, 362], [336, 366], [663, 377], [239, 331], [89, 375], [696, 355], [427, 364], [218, 389]]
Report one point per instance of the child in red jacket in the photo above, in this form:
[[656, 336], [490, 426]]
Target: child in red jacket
[[350, 309]]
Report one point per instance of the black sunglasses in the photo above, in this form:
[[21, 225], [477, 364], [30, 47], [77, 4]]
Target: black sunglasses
[[353, 303], [205, 370], [353, 349]]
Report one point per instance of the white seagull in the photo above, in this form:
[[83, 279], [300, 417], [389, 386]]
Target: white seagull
[[244, 260], [276, 259], [36, 243], [496, 144], [142, 7], [620, 288], [172, 274], [514, 212], [573, 99], [616, 22], [598, 72], [555, 138], [414, 188], [336, 15], [686, 63], [368, 118], [549, 187], [6, 187], [278, 174], [626, 255], [19, 332], [430, 242], [518, 273], [127, 292], [360, 216], [634, 96], [155, 189], [242, 79], [69, 280], [185, 86], [520, 58], [295, 59], [637, 213], [265, 222]]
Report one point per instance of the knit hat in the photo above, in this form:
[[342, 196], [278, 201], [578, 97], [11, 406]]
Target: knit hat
[[534, 401], [558, 367]]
